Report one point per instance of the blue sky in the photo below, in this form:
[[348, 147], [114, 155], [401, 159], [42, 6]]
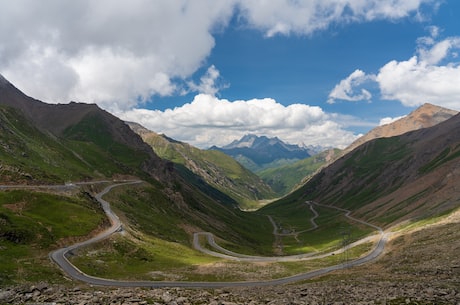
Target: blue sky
[[313, 72]]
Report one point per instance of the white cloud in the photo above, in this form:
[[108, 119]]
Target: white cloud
[[307, 16], [431, 76], [119, 53], [208, 119], [389, 120], [422, 78], [345, 90], [106, 51], [209, 82]]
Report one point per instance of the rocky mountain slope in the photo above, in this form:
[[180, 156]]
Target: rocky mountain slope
[[388, 180], [425, 116], [257, 153], [216, 168]]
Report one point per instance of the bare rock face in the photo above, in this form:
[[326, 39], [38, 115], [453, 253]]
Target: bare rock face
[[425, 116]]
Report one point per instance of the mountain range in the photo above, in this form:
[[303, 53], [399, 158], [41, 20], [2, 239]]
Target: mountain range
[[390, 179], [260, 152], [44, 143], [397, 180], [216, 168]]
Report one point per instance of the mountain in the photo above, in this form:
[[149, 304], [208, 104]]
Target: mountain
[[216, 168], [257, 153], [75, 141], [285, 178], [425, 116], [411, 176], [44, 143], [387, 180]]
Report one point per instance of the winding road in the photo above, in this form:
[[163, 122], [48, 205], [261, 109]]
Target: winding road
[[227, 254], [60, 256]]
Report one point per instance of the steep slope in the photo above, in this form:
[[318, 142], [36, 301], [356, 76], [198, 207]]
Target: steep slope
[[215, 167], [89, 144], [388, 180], [285, 178], [257, 153], [425, 116], [90, 139]]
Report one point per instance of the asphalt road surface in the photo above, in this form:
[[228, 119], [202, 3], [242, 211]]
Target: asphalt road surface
[[60, 257]]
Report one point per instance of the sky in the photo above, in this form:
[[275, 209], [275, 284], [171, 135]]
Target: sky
[[207, 72]]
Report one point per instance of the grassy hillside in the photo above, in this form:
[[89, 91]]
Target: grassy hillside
[[385, 181], [32, 223], [216, 168], [171, 205], [85, 151], [30, 156], [285, 178], [389, 180]]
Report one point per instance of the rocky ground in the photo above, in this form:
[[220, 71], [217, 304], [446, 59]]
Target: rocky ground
[[419, 267], [313, 293]]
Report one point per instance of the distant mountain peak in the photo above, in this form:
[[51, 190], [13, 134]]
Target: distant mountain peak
[[246, 141], [261, 151], [253, 141]]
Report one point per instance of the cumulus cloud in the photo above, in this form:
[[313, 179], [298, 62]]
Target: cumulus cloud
[[106, 51], [430, 76], [346, 89], [120, 53], [208, 119], [210, 82], [307, 16]]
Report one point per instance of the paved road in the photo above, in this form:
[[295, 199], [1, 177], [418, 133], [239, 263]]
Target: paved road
[[227, 254], [59, 257]]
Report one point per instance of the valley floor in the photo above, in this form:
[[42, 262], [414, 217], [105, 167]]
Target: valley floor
[[421, 266]]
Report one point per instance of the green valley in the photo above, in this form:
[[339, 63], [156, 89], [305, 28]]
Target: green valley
[[56, 160]]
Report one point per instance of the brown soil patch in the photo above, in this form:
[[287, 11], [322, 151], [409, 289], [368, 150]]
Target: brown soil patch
[[16, 207]]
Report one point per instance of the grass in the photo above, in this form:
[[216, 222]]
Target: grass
[[446, 155], [153, 259], [294, 214], [216, 168], [31, 224], [173, 218], [284, 178], [87, 150], [333, 228], [128, 258], [421, 222]]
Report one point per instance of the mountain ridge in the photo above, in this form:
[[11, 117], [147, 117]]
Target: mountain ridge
[[215, 167], [424, 116], [413, 172], [172, 202], [259, 152]]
